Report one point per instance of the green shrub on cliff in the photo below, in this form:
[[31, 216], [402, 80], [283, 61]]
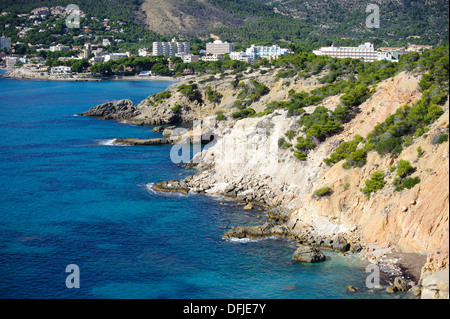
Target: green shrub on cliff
[[283, 144], [354, 156], [252, 91], [402, 181], [177, 108], [220, 116], [282, 74], [290, 134], [443, 138], [300, 155], [213, 96], [156, 98], [355, 95], [321, 192], [319, 123], [404, 168], [242, 114], [343, 151], [389, 136], [374, 184], [304, 144], [191, 91]]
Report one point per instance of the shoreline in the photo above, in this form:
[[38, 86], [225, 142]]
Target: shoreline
[[24, 74], [392, 264]]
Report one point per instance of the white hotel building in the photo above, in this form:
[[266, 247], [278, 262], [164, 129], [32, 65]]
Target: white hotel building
[[171, 49], [5, 43], [255, 52], [365, 51]]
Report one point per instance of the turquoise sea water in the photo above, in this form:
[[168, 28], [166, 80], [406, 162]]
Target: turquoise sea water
[[69, 197]]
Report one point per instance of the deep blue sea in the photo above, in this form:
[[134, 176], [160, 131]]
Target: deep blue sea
[[68, 197]]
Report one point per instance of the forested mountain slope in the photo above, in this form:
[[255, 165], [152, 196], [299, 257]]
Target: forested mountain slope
[[308, 24]]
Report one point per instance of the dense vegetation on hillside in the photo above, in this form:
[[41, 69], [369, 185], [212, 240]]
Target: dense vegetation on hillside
[[409, 122], [298, 24], [310, 24], [351, 79]]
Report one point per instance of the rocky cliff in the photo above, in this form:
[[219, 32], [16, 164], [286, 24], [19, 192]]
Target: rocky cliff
[[176, 107], [409, 221], [246, 164]]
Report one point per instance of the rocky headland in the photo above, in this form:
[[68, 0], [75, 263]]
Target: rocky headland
[[23, 73], [382, 229], [27, 74]]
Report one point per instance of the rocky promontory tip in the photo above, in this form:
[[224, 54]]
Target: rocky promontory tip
[[115, 110], [139, 142], [173, 186]]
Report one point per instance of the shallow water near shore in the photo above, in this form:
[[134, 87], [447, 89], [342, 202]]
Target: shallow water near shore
[[70, 196]]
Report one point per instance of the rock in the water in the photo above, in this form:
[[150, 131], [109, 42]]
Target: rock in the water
[[351, 289], [308, 254], [249, 206], [168, 130], [116, 110], [251, 232], [400, 284], [136, 142], [158, 129], [391, 289], [172, 186]]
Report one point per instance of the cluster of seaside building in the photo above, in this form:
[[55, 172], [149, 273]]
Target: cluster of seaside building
[[96, 52], [214, 51]]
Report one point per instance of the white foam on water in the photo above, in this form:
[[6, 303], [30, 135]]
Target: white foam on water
[[248, 240], [107, 142], [149, 188], [126, 123]]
